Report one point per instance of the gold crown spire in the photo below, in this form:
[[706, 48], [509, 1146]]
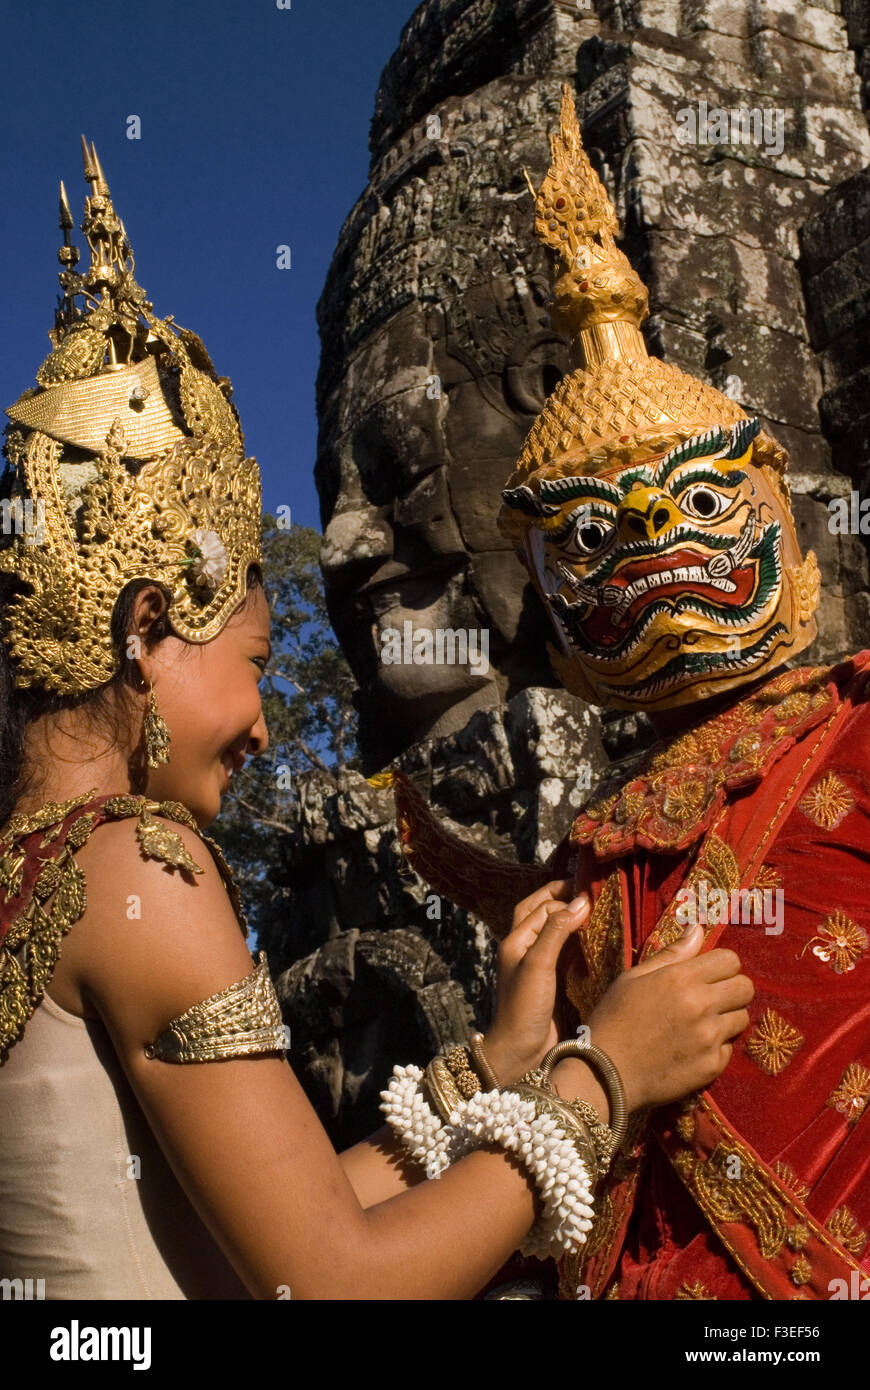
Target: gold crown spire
[[133, 457], [619, 404], [598, 300]]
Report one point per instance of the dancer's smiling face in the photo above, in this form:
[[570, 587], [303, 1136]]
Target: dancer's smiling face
[[208, 695]]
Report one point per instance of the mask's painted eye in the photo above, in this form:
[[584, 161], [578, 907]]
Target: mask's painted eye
[[589, 537], [704, 502]]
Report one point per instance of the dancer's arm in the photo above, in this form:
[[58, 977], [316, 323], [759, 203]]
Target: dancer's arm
[[241, 1136]]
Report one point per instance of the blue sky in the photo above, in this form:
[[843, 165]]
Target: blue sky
[[255, 128]]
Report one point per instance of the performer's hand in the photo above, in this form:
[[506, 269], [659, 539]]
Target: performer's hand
[[667, 1023], [523, 1029]]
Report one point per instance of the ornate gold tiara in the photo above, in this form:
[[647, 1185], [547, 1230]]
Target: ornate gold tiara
[[130, 456]]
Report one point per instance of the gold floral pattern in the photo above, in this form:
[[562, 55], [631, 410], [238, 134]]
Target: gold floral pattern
[[827, 802], [773, 1042], [839, 942], [789, 1178], [844, 1227], [672, 797], [695, 1290], [603, 943], [801, 1271], [768, 878], [723, 1197], [717, 867], [849, 1098], [683, 800]]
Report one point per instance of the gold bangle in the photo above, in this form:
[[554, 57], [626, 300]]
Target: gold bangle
[[600, 1062], [487, 1076], [548, 1101], [443, 1090]]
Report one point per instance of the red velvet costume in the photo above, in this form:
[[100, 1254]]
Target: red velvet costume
[[759, 1186]]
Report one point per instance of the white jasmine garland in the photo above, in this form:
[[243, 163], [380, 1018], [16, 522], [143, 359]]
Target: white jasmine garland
[[540, 1142], [209, 568]]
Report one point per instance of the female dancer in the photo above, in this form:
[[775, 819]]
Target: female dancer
[[153, 1141]]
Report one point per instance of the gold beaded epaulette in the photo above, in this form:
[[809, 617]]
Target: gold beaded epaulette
[[43, 891], [127, 461]]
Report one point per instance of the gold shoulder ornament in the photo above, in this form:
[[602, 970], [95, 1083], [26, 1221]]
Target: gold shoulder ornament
[[31, 945]]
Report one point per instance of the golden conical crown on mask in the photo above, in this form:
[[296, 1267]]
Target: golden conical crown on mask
[[128, 462], [620, 404]]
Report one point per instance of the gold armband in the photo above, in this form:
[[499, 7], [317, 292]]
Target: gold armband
[[243, 1019]]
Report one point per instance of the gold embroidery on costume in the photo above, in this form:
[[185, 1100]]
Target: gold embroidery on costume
[[801, 1271], [686, 1119], [670, 798], [850, 1096], [625, 1168], [32, 943], [741, 1198], [798, 1236], [773, 1042], [686, 1127], [717, 867], [844, 1228], [827, 802], [602, 947], [684, 800], [31, 946], [790, 1179], [695, 1290], [840, 942], [768, 878], [239, 1021]]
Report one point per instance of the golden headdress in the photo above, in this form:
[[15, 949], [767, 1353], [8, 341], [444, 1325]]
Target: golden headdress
[[653, 602], [129, 463], [621, 404]]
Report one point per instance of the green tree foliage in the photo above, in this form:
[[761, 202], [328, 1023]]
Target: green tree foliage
[[307, 692]]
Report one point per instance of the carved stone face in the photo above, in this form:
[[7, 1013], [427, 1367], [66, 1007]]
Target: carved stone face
[[411, 544], [673, 579]]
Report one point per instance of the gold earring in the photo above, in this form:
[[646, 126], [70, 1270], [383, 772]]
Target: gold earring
[[157, 736]]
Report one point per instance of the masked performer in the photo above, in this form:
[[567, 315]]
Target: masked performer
[[131, 1164], [654, 519]]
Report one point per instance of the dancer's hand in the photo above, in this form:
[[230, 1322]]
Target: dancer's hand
[[523, 1029], [667, 1023]]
